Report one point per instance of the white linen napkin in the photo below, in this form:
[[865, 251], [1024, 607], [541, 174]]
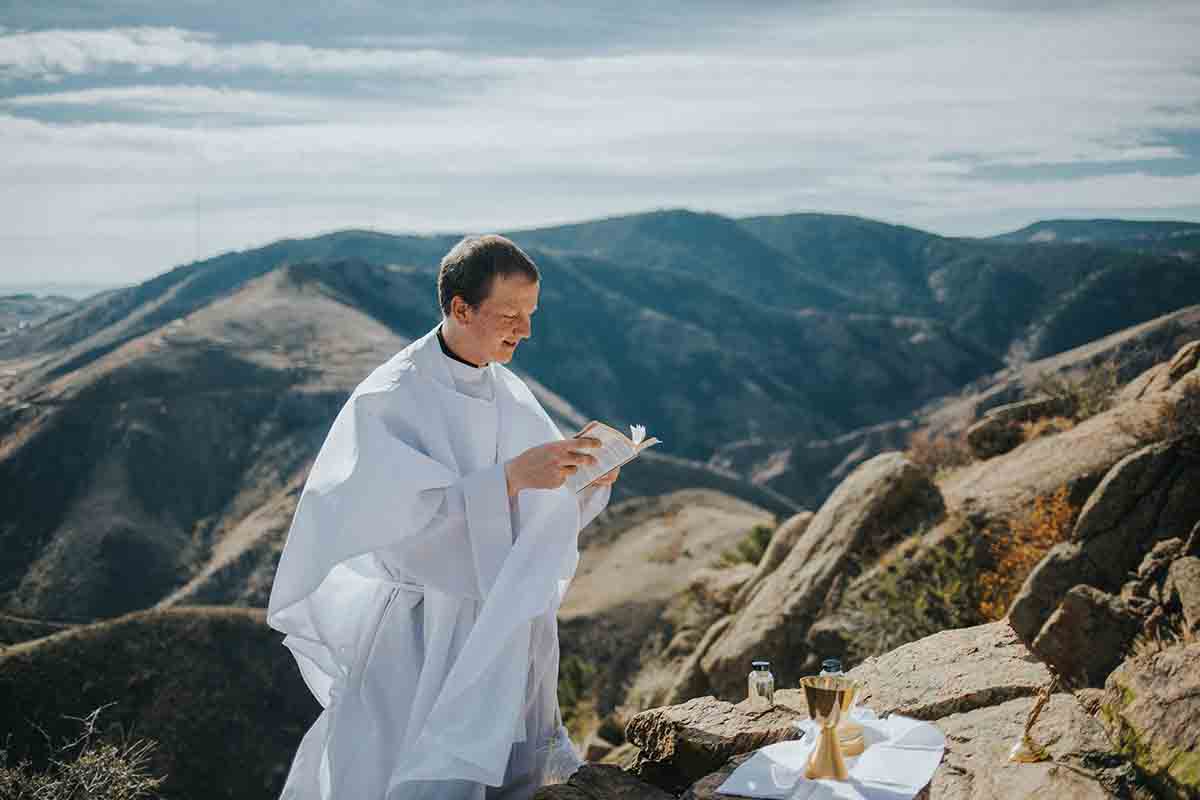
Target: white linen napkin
[[900, 759]]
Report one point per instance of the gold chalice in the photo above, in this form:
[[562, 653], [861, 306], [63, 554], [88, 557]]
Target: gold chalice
[[827, 697]]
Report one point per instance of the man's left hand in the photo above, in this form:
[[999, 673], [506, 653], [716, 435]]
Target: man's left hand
[[607, 479]]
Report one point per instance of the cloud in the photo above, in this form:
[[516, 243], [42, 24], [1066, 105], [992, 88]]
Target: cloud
[[956, 120], [52, 53], [179, 100]]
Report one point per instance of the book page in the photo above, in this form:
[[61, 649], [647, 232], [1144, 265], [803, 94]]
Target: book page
[[615, 449]]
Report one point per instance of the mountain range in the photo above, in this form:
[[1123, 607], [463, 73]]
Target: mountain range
[[153, 439]]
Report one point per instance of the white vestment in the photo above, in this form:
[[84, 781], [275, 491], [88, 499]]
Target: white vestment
[[418, 601]]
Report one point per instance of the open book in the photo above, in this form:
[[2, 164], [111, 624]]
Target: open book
[[615, 450]]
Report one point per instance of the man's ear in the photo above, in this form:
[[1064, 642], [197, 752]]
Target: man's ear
[[460, 310]]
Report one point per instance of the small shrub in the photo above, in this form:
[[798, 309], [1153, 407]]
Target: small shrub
[[920, 591], [1047, 426], [84, 769], [669, 551], [1016, 552], [577, 695], [749, 550], [1089, 394], [937, 454]]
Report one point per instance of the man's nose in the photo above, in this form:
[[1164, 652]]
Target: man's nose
[[526, 328]]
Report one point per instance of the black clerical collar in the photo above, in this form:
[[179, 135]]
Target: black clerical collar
[[451, 354]]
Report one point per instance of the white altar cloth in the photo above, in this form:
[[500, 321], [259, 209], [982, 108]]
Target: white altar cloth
[[901, 756]]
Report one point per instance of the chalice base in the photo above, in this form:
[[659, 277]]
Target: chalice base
[[826, 760], [1027, 751]]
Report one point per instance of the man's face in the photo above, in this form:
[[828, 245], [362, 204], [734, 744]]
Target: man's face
[[501, 321]]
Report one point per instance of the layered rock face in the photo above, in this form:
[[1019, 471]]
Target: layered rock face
[[1151, 708], [881, 502]]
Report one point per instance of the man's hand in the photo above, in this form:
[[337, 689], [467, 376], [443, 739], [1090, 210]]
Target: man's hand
[[608, 478], [548, 466]]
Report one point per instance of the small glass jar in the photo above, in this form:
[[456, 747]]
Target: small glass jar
[[761, 685]]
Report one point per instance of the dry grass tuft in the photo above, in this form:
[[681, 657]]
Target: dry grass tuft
[[1047, 426], [1089, 394], [86, 768], [938, 454], [1016, 552]]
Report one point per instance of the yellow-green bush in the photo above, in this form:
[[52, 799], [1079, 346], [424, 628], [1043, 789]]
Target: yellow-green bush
[[1017, 550]]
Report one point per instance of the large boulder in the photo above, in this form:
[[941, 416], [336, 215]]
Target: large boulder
[[782, 542], [1088, 636], [881, 502], [601, 782], [1151, 709], [1000, 429], [976, 766], [1162, 377], [681, 744], [950, 672], [717, 586], [1148, 496], [1183, 587], [691, 681]]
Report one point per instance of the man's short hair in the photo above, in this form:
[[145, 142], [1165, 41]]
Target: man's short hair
[[471, 265]]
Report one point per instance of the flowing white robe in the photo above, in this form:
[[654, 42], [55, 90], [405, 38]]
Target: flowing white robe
[[418, 602]]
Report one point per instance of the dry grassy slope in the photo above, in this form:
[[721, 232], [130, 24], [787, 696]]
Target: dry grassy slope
[[162, 450], [646, 550], [213, 686], [636, 558]]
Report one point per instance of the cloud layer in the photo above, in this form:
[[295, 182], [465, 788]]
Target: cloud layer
[[136, 147]]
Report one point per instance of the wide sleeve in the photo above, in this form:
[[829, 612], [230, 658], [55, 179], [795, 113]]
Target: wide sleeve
[[368, 489], [592, 501], [449, 553]]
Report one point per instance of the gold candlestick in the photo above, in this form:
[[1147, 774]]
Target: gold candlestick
[[826, 697]]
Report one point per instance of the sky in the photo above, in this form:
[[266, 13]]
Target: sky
[[137, 135]]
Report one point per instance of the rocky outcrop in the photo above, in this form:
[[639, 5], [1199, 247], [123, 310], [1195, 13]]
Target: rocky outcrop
[[1149, 576], [1147, 497], [881, 502], [718, 586], [1183, 588], [683, 743], [782, 542], [602, 782], [1151, 709], [692, 682], [1087, 637], [951, 672], [976, 684], [1000, 429], [976, 766], [1162, 377]]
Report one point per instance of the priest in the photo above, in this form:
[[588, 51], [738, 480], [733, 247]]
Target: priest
[[428, 555]]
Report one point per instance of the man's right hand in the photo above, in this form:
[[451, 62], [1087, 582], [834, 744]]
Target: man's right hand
[[548, 466]]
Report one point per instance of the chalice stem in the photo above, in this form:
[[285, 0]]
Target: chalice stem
[[827, 760]]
